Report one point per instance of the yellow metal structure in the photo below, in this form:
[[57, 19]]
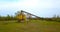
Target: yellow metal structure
[[21, 17]]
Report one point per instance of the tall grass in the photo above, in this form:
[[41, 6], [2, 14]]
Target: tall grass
[[31, 26]]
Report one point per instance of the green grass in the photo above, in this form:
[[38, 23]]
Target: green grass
[[32, 26]]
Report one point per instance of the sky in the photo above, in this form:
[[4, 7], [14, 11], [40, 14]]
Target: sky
[[41, 8]]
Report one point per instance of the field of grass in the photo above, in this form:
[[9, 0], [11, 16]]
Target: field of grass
[[32, 26]]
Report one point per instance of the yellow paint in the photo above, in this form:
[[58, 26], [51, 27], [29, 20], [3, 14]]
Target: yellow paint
[[21, 16]]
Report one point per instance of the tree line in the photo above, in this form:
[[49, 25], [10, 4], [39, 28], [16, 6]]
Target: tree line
[[8, 17]]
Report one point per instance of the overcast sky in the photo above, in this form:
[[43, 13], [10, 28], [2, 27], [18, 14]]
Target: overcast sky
[[42, 8]]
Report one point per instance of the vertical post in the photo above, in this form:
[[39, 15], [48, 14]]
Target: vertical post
[[28, 17]]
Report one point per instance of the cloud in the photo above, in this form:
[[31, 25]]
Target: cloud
[[38, 7]]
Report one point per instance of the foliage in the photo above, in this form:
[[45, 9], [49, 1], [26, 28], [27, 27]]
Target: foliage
[[8, 17]]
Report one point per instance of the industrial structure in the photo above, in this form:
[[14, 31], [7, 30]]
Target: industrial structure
[[23, 16]]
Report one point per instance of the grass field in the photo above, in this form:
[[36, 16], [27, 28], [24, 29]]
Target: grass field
[[32, 26]]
